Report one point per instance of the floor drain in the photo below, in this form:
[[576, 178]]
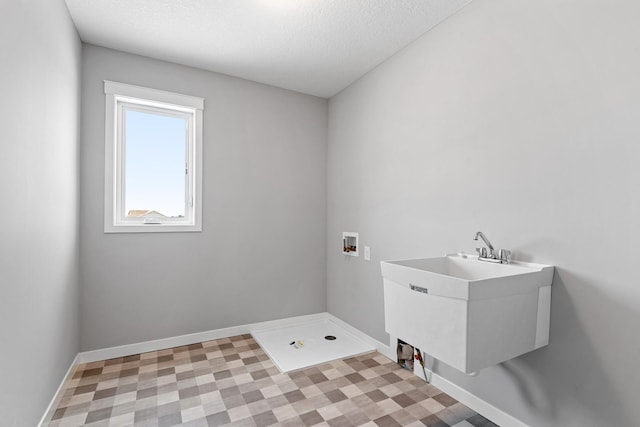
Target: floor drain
[[329, 338]]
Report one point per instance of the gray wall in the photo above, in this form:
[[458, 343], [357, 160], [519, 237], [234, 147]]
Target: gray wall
[[39, 132], [520, 119], [262, 252]]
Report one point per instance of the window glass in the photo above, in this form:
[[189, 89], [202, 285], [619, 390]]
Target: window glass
[[154, 165]]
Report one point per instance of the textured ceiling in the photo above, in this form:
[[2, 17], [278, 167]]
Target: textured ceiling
[[312, 46]]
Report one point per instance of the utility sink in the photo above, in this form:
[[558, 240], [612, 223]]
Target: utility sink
[[468, 313]]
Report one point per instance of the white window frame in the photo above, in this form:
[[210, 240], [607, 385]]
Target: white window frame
[[121, 97]]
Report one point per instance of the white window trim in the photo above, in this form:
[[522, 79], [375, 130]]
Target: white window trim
[[120, 93]]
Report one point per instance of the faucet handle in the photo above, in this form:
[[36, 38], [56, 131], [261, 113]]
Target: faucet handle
[[504, 255], [482, 252]]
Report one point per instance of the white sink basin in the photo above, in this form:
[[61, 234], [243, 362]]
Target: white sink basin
[[468, 313], [467, 278]]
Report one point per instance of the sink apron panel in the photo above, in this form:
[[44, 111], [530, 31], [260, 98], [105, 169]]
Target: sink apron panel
[[435, 324], [467, 335]]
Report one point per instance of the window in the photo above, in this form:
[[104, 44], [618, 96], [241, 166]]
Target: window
[[153, 152]]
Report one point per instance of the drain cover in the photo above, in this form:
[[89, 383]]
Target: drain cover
[[329, 338]]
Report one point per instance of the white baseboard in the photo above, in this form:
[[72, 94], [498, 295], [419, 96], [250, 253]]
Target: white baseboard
[[146, 346], [48, 413], [471, 401], [463, 396]]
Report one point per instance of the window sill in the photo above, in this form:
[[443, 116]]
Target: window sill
[[152, 228]]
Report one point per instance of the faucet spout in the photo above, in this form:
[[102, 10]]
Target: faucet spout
[[502, 256], [485, 240]]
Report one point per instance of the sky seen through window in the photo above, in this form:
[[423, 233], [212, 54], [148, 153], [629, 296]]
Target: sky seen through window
[[155, 156]]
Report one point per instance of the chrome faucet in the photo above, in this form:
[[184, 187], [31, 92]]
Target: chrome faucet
[[486, 242], [502, 257]]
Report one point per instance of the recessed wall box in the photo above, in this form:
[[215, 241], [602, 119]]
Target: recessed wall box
[[350, 243]]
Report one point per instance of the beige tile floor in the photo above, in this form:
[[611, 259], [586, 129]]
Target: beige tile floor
[[231, 381]]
